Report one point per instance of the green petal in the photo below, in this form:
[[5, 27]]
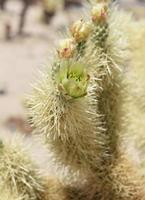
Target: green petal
[[77, 69], [75, 89]]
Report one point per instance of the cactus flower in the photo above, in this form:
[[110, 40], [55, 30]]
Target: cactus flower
[[99, 13], [81, 30], [66, 48], [73, 79]]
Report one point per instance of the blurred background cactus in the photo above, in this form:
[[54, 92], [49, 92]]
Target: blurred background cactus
[[2, 4], [18, 175], [49, 9]]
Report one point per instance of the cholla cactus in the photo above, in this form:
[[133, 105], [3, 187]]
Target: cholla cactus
[[18, 175], [56, 190], [20, 179], [65, 115], [77, 106], [134, 106], [124, 184], [113, 53]]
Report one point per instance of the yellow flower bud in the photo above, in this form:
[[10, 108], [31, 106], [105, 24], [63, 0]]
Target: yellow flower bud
[[66, 48], [81, 30], [99, 12]]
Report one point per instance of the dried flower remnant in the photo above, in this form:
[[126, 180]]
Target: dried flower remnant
[[66, 48]]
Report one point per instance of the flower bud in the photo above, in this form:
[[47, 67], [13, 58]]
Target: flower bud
[[99, 13], [73, 80], [81, 30], [66, 48]]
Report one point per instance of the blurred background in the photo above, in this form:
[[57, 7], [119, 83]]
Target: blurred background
[[29, 31]]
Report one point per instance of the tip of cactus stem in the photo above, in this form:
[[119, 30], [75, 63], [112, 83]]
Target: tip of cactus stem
[[99, 13], [73, 79], [81, 30]]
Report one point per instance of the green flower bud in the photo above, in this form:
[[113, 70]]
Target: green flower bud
[[73, 79]]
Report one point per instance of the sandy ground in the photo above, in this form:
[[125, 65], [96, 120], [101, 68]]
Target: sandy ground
[[22, 57]]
